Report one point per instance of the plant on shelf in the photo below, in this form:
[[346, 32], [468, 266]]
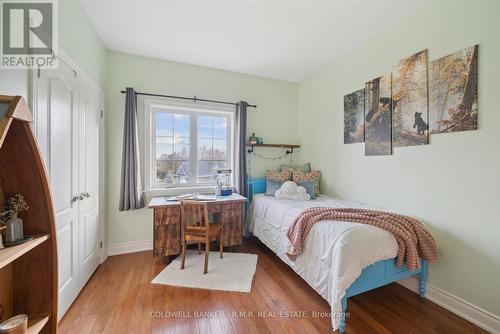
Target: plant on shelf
[[14, 206]]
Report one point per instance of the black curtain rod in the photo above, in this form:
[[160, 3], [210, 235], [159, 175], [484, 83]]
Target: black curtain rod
[[194, 99]]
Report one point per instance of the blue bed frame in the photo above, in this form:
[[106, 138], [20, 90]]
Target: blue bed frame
[[373, 276]]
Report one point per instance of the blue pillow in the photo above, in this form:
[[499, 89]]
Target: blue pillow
[[272, 186], [309, 185]]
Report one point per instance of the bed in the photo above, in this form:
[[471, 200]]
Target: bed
[[339, 260]]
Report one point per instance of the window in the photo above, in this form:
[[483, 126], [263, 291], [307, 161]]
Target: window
[[187, 145]]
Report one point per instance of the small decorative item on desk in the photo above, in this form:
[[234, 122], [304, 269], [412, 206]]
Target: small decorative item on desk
[[15, 325], [260, 140], [253, 139], [224, 182], [14, 231]]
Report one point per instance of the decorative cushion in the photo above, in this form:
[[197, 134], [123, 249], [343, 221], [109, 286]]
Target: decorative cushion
[[305, 168], [290, 190], [313, 176], [272, 186], [309, 186], [279, 176]]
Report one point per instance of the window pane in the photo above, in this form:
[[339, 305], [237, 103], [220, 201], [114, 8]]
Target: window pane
[[181, 125], [204, 149], [204, 127], [172, 172], [164, 124], [181, 149], [219, 127], [182, 172], [219, 165], [164, 171], [164, 148], [205, 172], [219, 149]]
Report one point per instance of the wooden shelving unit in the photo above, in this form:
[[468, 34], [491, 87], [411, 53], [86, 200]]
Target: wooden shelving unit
[[289, 146], [28, 272]]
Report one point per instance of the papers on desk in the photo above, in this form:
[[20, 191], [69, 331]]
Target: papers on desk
[[193, 197]]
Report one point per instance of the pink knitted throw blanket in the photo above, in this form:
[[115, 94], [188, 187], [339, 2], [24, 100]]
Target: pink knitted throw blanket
[[414, 240]]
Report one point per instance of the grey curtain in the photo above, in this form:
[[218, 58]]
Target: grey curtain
[[240, 175], [131, 196], [240, 155]]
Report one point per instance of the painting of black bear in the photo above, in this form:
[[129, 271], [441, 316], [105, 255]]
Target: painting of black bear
[[354, 120], [378, 116], [410, 112]]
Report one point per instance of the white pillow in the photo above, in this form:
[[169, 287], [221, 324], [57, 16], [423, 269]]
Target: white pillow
[[290, 190]]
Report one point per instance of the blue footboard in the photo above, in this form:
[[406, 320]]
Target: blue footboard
[[373, 276]]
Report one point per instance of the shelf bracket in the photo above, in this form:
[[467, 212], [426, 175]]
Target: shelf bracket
[[290, 151], [250, 150]]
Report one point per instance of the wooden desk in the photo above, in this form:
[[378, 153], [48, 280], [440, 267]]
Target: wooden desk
[[227, 210]]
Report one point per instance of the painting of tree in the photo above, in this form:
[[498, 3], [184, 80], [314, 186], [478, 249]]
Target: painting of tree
[[354, 124], [453, 94], [410, 103], [378, 116]]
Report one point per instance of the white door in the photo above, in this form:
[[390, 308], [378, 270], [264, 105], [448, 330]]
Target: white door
[[57, 129], [89, 247], [66, 114]]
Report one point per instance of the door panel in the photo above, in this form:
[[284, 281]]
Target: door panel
[[64, 244], [89, 256], [61, 150], [91, 234], [62, 154]]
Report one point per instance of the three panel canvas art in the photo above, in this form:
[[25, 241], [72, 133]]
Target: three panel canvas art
[[402, 108]]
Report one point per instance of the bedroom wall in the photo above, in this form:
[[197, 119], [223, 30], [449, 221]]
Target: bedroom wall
[[275, 119], [81, 42], [453, 184], [77, 38]]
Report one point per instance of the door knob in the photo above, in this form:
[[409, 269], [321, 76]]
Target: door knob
[[86, 194], [75, 198]]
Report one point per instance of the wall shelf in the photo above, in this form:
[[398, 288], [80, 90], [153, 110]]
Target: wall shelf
[[289, 146], [10, 254]]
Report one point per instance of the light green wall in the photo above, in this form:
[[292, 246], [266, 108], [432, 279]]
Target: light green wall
[[453, 184], [80, 41], [274, 119]]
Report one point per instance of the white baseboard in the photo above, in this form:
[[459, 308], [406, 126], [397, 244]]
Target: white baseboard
[[130, 247], [460, 307]]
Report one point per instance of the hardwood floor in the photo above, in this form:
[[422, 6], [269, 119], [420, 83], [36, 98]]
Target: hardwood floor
[[120, 299]]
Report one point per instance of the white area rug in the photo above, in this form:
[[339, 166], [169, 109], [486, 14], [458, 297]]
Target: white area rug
[[234, 272]]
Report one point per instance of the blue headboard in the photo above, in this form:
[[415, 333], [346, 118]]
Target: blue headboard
[[255, 186]]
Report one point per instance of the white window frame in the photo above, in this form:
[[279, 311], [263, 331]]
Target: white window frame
[[149, 166]]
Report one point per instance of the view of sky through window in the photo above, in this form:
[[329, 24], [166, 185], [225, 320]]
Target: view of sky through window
[[173, 147]]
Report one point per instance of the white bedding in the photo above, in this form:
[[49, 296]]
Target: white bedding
[[334, 254]]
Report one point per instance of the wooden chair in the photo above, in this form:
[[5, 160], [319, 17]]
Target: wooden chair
[[196, 227]]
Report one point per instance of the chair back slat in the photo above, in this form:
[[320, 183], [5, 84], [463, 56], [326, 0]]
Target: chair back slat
[[195, 214]]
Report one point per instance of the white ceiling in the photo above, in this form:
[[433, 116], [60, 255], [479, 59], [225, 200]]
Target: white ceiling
[[286, 40]]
